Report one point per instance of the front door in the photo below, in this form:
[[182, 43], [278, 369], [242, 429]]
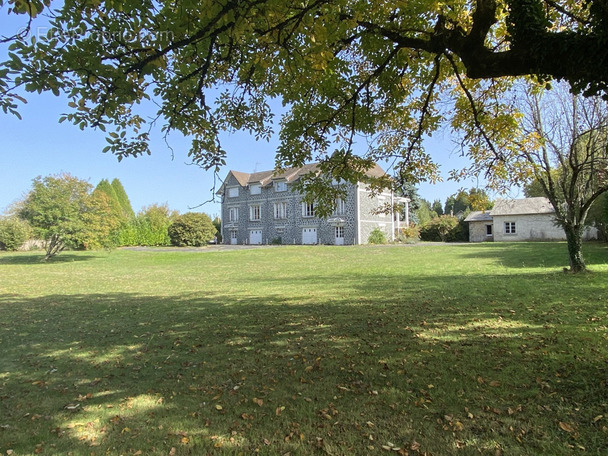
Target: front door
[[255, 237], [309, 235], [339, 235], [233, 238]]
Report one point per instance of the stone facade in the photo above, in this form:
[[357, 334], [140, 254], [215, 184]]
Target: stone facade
[[478, 231], [528, 227], [528, 219], [262, 208], [481, 227]]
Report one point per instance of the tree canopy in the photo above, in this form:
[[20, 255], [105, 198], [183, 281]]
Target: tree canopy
[[567, 156], [65, 213], [391, 71]]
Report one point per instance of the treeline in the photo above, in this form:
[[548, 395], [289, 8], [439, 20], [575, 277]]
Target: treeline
[[445, 222], [62, 211]]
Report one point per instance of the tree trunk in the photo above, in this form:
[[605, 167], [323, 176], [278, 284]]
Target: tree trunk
[[574, 237], [54, 246]]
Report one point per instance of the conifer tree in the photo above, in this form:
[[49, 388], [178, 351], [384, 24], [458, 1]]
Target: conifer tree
[[123, 199], [105, 187]]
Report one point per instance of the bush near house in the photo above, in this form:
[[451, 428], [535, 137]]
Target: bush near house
[[409, 234], [192, 229], [377, 237], [445, 228], [14, 231]]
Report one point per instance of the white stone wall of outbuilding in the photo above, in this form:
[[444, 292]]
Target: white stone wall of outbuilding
[[532, 227]]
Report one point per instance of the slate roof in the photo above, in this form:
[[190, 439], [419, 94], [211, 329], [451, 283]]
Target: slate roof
[[539, 205], [289, 175], [479, 216]]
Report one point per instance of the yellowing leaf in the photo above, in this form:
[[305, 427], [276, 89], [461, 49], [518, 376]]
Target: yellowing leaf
[[566, 427], [219, 407]]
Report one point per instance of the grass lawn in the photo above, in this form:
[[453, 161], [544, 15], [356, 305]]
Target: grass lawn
[[428, 349]]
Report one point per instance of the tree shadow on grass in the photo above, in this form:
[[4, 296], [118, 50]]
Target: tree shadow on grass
[[15, 259], [533, 254], [446, 369]]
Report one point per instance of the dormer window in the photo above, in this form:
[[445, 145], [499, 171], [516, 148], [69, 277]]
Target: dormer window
[[233, 192], [255, 189], [280, 186]]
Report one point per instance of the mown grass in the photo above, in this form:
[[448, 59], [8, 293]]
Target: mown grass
[[467, 349]]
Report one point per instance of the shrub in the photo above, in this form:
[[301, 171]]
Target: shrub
[[217, 222], [149, 228], [191, 229], [377, 236], [13, 232], [409, 234], [439, 229]]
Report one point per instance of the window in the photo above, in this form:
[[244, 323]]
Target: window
[[233, 192], [510, 228], [280, 186], [255, 189], [488, 230], [308, 209], [233, 214], [233, 234], [254, 212], [340, 207], [280, 210], [339, 231]]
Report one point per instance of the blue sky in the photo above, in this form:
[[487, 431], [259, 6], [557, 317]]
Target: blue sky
[[38, 145]]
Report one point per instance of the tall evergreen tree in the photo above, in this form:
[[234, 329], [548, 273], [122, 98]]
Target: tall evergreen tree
[[123, 199], [106, 188], [436, 206]]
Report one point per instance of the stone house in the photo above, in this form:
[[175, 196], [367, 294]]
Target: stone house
[[527, 219], [261, 208]]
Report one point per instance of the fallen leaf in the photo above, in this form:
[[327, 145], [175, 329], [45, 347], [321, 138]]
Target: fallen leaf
[[257, 401], [566, 427], [172, 451], [219, 407], [279, 410]]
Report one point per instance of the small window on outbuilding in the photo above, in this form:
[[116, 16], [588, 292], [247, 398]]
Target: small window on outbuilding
[[488, 230], [510, 228]]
